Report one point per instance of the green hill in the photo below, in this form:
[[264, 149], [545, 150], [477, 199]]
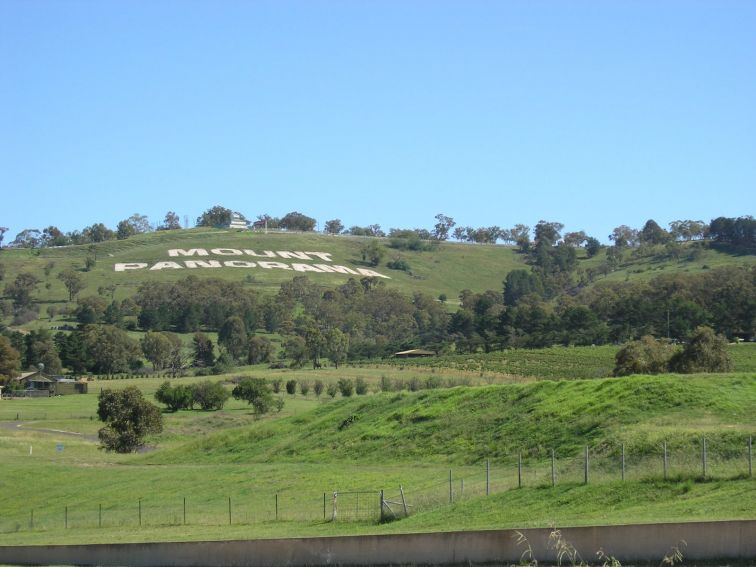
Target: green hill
[[470, 425], [446, 269]]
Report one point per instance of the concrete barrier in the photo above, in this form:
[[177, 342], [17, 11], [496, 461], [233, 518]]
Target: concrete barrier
[[704, 541]]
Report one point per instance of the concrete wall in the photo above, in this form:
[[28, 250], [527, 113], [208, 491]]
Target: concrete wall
[[648, 542]]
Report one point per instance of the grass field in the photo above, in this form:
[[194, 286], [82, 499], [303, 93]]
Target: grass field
[[412, 439]]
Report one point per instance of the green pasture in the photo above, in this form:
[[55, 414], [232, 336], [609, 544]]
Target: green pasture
[[436, 444]]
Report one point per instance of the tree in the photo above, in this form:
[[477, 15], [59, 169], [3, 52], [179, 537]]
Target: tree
[[336, 346], [705, 351], [157, 348], [575, 239], [260, 350], [624, 236], [215, 217], [203, 350], [109, 348], [40, 349], [334, 226], [520, 283], [10, 359], [233, 337], [171, 222], [3, 230], [443, 226], [129, 419], [644, 356], [295, 348], [652, 233], [592, 246], [297, 221], [27, 238], [21, 289], [73, 282], [97, 232], [256, 393], [135, 224], [53, 236]]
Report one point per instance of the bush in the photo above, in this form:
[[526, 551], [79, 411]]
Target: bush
[[209, 395], [255, 392], [332, 390], [318, 387], [346, 387], [704, 352], [398, 264], [291, 387], [276, 385], [176, 398], [360, 387], [644, 356], [304, 387]]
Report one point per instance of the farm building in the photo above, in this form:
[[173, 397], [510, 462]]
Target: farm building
[[414, 353], [38, 384]]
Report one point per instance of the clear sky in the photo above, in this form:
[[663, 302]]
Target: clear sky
[[591, 113]]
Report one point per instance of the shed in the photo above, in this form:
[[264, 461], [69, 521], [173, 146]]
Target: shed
[[414, 353], [34, 381]]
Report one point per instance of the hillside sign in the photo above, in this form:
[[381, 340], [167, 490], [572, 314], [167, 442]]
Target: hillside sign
[[317, 262]]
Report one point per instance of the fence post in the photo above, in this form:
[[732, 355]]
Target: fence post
[[451, 490], [750, 456], [462, 488], [99, 521], [665, 460], [276, 506], [622, 473], [404, 501], [553, 469], [703, 454], [184, 510], [519, 470], [333, 506], [586, 465], [324, 505], [381, 496], [488, 477], [65, 515], [140, 512], [31, 521], [229, 510]]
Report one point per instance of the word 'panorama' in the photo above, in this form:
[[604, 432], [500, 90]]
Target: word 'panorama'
[[264, 264]]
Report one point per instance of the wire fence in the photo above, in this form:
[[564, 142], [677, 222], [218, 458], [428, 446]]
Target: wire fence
[[700, 460]]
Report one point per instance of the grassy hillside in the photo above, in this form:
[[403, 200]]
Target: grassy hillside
[[469, 425], [448, 269], [408, 439]]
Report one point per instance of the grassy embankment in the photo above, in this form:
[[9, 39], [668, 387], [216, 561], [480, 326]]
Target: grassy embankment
[[412, 439]]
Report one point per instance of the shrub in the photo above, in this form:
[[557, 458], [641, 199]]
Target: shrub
[[704, 352], [398, 264], [255, 392], [644, 356], [332, 390], [304, 387], [346, 387], [176, 398], [360, 387], [318, 387], [209, 395], [276, 385], [291, 387]]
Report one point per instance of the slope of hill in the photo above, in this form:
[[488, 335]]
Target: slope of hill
[[447, 269], [469, 425]]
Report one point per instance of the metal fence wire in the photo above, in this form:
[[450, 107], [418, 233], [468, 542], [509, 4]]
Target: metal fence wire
[[690, 459]]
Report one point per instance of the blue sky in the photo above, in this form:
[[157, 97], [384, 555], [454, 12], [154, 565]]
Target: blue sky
[[593, 114]]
